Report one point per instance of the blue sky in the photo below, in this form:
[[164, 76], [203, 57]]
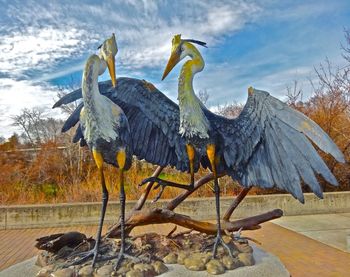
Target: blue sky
[[266, 44]]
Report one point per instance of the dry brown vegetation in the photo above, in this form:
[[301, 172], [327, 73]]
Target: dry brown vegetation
[[46, 167], [53, 174]]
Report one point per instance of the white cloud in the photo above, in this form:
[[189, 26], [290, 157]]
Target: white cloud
[[38, 49], [58, 31], [16, 95]]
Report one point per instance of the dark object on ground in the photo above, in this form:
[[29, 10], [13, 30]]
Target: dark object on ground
[[55, 242]]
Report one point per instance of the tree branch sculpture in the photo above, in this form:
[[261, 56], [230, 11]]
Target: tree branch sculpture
[[139, 216]]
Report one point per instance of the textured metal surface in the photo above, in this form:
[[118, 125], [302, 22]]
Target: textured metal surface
[[268, 145]]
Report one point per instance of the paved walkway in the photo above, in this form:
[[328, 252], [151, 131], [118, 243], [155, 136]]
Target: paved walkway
[[301, 255], [331, 229]]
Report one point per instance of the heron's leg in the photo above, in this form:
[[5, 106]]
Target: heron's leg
[[122, 217], [164, 183], [191, 152], [211, 153], [121, 158], [94, 252], [102, 217]]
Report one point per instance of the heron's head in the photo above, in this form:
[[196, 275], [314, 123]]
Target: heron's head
[[179, 50], [108, 50]]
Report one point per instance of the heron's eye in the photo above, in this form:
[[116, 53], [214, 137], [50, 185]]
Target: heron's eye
[[182, 48]]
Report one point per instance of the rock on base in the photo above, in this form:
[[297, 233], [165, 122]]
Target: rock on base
[[266, 265]]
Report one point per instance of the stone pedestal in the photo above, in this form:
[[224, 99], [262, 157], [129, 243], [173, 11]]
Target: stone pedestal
[[266, 265]]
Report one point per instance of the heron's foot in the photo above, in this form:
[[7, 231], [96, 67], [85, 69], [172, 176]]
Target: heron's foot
[[150, 180], [219, 240], [164, 183], [85, 256], [120, 257]]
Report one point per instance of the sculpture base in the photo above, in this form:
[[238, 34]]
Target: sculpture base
[[266, 264]]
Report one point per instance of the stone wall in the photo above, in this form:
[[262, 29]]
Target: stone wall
[[30, 216]]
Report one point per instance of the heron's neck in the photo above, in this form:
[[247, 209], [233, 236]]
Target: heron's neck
[[193, 122], [89, 86], [189, 69]]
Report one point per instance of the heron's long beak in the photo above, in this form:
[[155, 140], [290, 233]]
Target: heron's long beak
[[111, 69], [173, 60]]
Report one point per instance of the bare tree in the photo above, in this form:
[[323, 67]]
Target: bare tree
[[230, 110], [294, 94], [36, 127], [203, 95], [24, 122], [346, 48], [331, 95]]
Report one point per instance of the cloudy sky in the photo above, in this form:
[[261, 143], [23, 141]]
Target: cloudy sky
[[266, 44]]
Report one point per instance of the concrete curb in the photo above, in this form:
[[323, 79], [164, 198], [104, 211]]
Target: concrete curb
[[68, 214]]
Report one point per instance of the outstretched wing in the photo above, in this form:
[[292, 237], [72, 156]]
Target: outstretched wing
[[267, 146], [153, 120]]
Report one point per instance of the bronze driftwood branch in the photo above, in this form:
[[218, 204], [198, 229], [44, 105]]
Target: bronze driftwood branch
[[139, 216]]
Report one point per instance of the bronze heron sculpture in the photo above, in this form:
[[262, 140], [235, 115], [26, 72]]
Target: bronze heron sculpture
[[266, 145], [107, 133]]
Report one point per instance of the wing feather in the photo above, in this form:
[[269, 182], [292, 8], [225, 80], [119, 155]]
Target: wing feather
[[302, 123], [153, 120], [300, 161], [269, 145], [78, 134], [73, 119]]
